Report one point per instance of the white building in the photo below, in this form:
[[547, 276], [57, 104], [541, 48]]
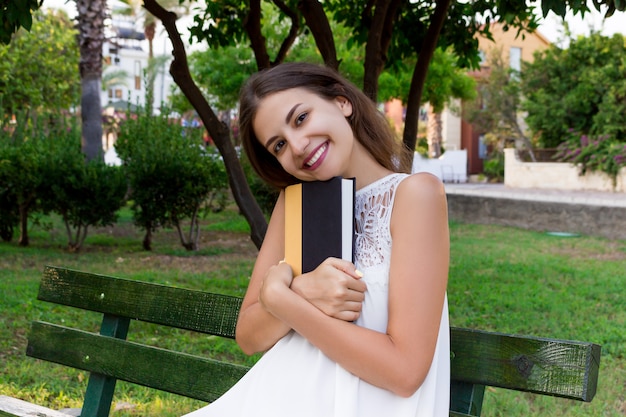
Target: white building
[[125, 54]]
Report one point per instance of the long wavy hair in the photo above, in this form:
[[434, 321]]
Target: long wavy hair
[[368, 124]]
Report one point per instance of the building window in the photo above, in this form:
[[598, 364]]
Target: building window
[[482, 56], [117, 93], [515, 58], [137, 75]]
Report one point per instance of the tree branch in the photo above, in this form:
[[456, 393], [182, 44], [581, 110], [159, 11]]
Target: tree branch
[[374, 55], [317, 22], [293, 32], [252, 24], [419, 78]]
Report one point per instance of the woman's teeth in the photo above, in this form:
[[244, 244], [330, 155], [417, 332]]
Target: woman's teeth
[[315, 157]]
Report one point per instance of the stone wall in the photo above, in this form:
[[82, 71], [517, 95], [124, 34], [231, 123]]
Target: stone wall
[[608, 222], [556, 175]]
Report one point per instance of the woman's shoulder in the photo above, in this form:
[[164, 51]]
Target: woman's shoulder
[[421, 185]]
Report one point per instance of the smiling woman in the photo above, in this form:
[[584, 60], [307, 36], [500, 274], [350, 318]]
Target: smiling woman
[[367, 338]]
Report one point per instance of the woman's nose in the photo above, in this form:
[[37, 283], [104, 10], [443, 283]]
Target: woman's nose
[[299, 144]]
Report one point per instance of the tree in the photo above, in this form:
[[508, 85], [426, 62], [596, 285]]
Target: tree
[[391, 30], [216, 128], [445, 81], [497, 111], [581, 88], [31, 74]]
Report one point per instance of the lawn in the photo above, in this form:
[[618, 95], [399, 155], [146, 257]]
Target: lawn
[[501, 279]]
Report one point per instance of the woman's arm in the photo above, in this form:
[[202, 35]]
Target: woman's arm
[[258, 330], [399, 359], [334, 288]]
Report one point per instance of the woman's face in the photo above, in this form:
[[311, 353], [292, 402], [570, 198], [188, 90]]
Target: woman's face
[[309, 135]]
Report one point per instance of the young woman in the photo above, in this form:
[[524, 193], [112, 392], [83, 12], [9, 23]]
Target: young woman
[[345, 340]]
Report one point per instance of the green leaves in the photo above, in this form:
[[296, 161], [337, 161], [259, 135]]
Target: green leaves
[[15, 14], [593, 153], [581, 88], [170, 172], [31, 73]]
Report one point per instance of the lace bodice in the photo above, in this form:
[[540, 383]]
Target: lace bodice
[[374, 204]]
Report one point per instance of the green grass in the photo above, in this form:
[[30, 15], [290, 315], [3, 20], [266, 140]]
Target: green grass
[[501, 279]]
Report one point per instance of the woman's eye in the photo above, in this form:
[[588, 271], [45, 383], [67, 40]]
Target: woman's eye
[[301, 117], [278, 146]]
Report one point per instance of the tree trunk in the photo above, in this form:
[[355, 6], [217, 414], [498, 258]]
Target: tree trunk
[[378, 41], [150, 31], [147, 239], [434, 133], [218, 130], [252, 24], [23, 240], [419, 78], [317, 22], [91, 15], [91, 114]]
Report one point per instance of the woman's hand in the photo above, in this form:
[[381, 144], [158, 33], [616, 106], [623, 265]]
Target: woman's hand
[[334, 287], [278, 278]]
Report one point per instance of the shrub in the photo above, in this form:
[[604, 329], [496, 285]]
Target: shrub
[[171, 175], [494, 167], [85, 194], [600, 153], [9, 213], [21, 161]]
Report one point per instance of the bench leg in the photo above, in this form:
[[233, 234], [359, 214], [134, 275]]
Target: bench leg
[[466, 398], [100, 388]]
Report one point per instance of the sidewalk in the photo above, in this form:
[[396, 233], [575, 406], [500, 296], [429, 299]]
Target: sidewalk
[[589, 198]]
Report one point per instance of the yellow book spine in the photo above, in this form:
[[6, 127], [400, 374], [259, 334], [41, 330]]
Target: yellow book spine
[[293, 228]]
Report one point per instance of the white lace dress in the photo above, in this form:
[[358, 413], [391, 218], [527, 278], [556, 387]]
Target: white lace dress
[[295, 379]]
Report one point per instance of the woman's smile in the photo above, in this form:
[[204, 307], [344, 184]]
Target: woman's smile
[[317, 157]]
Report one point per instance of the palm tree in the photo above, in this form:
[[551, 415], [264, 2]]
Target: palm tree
[[91, 16], [149, 21]]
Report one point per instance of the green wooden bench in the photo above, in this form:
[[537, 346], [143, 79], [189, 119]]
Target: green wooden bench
[[543, 366]]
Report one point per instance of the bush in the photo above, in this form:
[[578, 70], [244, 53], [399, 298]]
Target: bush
[[600, 153], [494, 167], [9, 213], [85, 194], [171, 174], [42, 169], [22, 153]]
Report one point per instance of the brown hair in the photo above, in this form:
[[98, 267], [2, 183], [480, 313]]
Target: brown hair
[[369, 125]]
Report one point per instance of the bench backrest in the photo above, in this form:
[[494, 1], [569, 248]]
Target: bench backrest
[[478, 359]]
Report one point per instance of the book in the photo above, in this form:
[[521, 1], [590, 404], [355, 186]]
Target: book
[[319, 222]]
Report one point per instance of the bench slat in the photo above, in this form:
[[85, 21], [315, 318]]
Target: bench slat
[[13, 407], [155, 303], [192, 376], [560, 368]]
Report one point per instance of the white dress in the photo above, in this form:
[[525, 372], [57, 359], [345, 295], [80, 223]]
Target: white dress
[[295, 379]]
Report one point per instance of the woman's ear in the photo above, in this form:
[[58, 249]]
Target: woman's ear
[[344, 105]]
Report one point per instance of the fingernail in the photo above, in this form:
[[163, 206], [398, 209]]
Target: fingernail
[[359, 273], [282, 261]]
